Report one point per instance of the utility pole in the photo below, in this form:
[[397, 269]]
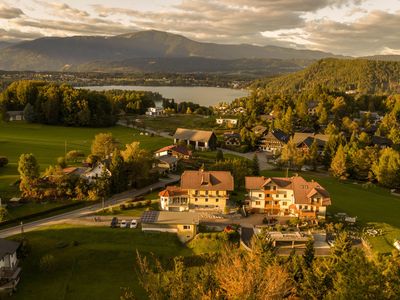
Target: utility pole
[[65, 148]]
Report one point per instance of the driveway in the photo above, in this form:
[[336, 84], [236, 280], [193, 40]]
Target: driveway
[[118, 198]]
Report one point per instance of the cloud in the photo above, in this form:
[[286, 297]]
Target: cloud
[[9, 12]]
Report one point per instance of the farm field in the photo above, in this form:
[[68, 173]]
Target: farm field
[[48, 142], [372, 205], [89, 262]]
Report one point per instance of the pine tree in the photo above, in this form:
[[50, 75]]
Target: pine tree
[[118, 176], [255, 166], [219, 156], [338, 165], [309, 253], [28, 169]]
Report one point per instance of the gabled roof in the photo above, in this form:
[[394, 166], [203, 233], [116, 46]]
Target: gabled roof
[[259, 130], [300, 137], [381, 141], [258, 182], [278, 135], [207, 180], [176, 148], [193, 135], [8, 247], [172, 191]]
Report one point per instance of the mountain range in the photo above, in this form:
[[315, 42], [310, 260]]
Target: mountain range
[[154, 51], [146, 51]]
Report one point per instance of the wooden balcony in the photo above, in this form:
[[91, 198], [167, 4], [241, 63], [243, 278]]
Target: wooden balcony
[[307, 214]]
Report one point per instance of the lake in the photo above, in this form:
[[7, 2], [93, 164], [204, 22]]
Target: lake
[[202, 95]]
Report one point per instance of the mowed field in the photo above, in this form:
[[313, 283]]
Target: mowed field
[[48, 142], [372, 205], [90, 262]]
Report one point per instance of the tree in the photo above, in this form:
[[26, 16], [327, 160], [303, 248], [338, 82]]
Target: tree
[[309, 253], [338, 165], [101, 188], [103, 145], [28, 169], [313, 154], [219, 156], [255, 165], [3, 213], [29, 113], [3, 161], [117, 169], [61, 162], [387, 168]]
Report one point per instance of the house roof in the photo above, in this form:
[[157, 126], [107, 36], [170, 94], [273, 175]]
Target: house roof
[[172, 190], [8, 247], [277, 134], [176, 148], [168, 159], [207, 180], [193, 135], [169, 217], [228, 135], [302, 189], [15, 112], [300, 137], [381, 141], [259, 129], [74, 170]]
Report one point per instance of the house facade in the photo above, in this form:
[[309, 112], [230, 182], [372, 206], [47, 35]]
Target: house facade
[[286, 197], [15, 115], [199, 139], [199, 191], [227, 122], [167, 163], [9, 265], [232, 139], [155, 111], [184, 224], [273, 141]]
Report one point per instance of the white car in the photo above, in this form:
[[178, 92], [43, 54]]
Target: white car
[[123, 224], [133, 224]]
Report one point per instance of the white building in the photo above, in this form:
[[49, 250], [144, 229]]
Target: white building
[[229, 122], [155, 111]]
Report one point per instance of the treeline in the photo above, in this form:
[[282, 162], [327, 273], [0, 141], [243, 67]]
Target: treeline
[[186, 107], [50, 103], [364, 76]]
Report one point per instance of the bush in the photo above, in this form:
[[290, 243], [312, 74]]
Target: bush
[[47, 263], [3, 161], [122, 206], [148, 202], [74, 154], [61, 162], [139, 204]]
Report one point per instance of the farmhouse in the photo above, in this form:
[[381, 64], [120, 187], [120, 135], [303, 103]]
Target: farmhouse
[[232, 139], [273, 141], [227, 122], [9, 269], [199, 190], [15, 115], [184, 224], [304, 141], [167, 164], [286, 197], [177, 151], [154, 111], [199, 139]]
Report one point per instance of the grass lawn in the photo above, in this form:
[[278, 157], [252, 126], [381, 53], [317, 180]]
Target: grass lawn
[[169, 124], [102, 262], [48, 142], [371, 205]]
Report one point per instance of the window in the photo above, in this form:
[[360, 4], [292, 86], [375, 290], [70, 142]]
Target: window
[[186, 227], [276, 202], [268, 188], [306, 207], [195, 199], [206, 192], [300, 206], [206, 199], [258, 202], [285, 196], [268, 195], [217, 200], [274, 188], [259, 195], [206, 206], [284, 203]]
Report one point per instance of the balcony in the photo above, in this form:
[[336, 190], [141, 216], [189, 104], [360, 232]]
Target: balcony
[[307, 214], [10, 273]]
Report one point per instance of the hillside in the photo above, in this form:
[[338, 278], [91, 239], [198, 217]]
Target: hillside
[[365, 76], [56, 53], [249, 67]]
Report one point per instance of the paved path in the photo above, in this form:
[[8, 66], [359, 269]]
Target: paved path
[[128, 195]]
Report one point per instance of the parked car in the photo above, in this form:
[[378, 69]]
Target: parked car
[[123, 224], [114, 222], [133, 224]]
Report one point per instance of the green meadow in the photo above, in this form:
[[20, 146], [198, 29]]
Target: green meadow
[[49, 142]]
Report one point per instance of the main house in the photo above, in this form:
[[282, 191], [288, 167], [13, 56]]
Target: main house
[[199, 190], [292, 196], [177, 151], [273, 141], [199, 139]]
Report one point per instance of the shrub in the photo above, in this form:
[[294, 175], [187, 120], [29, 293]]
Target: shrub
[[122, 206], [139, 204], [148, 202], [47, 263], [3, 161], [61, 162]]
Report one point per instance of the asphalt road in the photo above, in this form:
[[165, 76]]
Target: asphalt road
[[119, 198]]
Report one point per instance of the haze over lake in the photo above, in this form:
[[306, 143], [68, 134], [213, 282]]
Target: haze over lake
[[205, 96]]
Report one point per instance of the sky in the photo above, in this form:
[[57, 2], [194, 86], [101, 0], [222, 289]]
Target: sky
[[348, 27]]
